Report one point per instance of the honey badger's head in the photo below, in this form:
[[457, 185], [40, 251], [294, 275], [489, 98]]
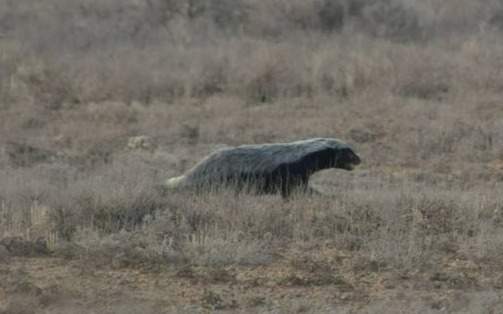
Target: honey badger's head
[[337, 154], [347, 159]]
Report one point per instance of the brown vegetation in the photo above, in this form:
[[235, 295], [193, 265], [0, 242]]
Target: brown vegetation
[[102, 100]]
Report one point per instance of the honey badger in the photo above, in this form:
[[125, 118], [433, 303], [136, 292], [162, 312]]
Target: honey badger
[[267, 168]]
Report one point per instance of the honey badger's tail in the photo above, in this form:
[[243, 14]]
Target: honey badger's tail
[[174, 183]]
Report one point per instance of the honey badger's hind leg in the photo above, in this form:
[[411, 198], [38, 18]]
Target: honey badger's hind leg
[[297, 186]]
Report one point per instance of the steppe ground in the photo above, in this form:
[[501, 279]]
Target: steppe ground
[[100, 100]]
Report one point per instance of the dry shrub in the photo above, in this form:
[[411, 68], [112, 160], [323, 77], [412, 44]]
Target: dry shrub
[[217, 251], [115, 199], [119, 215], [143, 51], [9, 59], [395, 20], [48, 84], [86, 201], [271, 77], [21, 305], [333, 14], [121, 249]]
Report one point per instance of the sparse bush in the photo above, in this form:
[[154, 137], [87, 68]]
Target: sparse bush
[[391, 19], [332, 14], [24, 155], [229, 14], [263, 84], [115, 200], [142, 66], [215, 251]]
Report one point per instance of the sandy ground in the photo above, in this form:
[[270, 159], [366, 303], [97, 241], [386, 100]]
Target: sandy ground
[[295, 282]]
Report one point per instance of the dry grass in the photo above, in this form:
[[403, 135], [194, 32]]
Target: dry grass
[[102, 100]]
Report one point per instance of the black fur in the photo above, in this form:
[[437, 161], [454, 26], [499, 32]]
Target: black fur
[[268, 168]]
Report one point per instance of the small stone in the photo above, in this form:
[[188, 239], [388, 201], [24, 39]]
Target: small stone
[[141, 142]]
